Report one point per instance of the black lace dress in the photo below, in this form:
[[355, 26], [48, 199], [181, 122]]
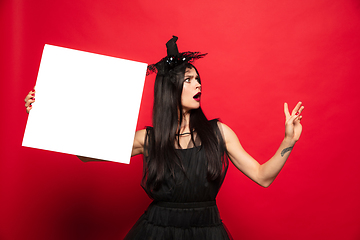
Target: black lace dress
[[184, 208]]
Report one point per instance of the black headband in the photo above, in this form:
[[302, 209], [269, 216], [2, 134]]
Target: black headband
[[173, 58]]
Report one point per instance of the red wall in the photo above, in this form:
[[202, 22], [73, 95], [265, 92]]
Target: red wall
[[261, 54]]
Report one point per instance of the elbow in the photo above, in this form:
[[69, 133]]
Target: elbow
[[265, 183], [263, 179]]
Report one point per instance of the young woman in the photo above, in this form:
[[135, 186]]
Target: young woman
[[186, 155]]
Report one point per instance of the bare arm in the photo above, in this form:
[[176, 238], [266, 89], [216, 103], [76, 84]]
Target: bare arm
[[139, 139], [266, 173], [138, 146]]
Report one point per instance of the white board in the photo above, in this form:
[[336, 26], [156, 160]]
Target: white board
[[86, 104]]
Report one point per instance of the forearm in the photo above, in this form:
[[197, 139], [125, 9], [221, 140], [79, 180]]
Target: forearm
[[270, 169], [87, 159]]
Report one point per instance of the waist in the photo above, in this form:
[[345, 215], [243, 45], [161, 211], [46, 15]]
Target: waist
[[185, 205], [184, 215]]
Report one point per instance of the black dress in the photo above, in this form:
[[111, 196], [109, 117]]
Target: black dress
[[185, 207]]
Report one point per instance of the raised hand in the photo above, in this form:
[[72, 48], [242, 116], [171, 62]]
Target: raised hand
[[29, 99], [293, 127]]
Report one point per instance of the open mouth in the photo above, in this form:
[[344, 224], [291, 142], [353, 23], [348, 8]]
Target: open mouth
[[197, 96]]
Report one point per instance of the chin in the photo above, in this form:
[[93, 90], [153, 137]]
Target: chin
[[188, 109], [195, 107]]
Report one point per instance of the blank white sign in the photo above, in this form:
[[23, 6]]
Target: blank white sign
[[86, 104]]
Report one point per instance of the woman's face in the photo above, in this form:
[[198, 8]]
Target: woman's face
[[191, 93]]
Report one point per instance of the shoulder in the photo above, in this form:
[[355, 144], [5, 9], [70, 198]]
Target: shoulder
[[227, 133], [142, 131], [223, 126], [139, 140], [220, 125], [214, 123], [140, 136], [224, 132]]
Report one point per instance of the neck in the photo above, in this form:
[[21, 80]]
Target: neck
[[185, 123]]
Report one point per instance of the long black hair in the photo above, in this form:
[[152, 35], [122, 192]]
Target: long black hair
[[160, 155]]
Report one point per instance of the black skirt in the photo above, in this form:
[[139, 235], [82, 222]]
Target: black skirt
[[179, 221]]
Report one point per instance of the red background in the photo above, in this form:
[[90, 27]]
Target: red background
[[261, 54]]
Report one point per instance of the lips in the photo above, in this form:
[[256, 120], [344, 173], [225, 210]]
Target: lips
[[197, 96]]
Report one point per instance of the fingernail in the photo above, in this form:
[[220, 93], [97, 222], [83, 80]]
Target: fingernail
[[297, 113]]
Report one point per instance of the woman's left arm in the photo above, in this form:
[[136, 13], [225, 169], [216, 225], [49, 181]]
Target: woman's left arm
[[266, 173]]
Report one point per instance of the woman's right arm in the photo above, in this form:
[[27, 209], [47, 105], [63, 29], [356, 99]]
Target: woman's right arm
[[138, 147], [139, 139]]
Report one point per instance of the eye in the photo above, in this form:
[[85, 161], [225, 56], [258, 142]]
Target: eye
[[187, 80]]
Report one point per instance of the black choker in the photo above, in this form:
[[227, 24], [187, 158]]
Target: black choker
[[183, 134]]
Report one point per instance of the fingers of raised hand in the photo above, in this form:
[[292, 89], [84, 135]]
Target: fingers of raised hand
[[286, 110], [298, 114], [297, 119], [295, 114], [296, 109]]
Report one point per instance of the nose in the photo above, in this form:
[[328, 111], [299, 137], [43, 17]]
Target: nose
[[198, 86]]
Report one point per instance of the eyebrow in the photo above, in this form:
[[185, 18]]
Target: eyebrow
[[191, 76]]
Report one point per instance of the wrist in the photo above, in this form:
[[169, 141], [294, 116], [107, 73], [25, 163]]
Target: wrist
[[289, 141]]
